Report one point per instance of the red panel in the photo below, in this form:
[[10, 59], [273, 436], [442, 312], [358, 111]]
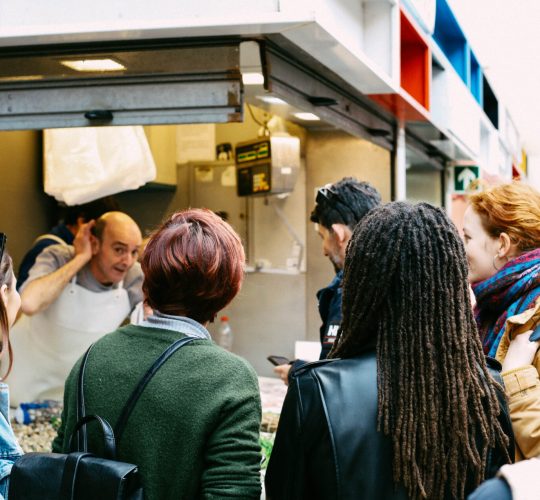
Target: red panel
[[415, 62], [400, 107]]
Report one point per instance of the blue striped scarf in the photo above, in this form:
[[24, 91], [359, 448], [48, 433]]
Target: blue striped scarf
[[512, 290]]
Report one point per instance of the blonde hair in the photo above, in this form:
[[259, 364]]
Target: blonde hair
[[513, 209]]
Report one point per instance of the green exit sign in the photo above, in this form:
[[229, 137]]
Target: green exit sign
[[464, 176]]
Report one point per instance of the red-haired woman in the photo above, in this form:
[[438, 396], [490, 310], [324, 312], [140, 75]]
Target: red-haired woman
[[194, 431], [10, 302], [502, 242]]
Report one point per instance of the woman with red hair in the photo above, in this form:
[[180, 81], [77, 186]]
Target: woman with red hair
[[502, 242], [194, 431]]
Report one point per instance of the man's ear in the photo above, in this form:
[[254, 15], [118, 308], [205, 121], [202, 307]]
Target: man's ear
[[507, 249], [342, 233], [95, 244]]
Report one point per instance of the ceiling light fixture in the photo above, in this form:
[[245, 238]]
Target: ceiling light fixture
[[94, 65], [253, 78], [307, 116], [270, 99]]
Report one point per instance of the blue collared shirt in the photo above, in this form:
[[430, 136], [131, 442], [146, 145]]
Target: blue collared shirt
[[180, 324]]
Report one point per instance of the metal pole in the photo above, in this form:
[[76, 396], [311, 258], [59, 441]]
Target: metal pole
[[400, 164]]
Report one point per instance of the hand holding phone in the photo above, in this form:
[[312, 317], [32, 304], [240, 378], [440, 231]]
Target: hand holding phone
[[278, 360]]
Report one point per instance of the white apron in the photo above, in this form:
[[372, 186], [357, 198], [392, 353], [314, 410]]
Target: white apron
[[47, 345]]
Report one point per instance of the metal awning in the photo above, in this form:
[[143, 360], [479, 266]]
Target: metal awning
[[174, 82], [196, 83]]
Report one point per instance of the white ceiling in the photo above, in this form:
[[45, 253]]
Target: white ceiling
[[505, 36]]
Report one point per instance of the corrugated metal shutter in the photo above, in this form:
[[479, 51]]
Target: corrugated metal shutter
[[161, 85]]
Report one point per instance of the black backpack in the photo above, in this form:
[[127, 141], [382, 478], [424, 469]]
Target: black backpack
[[80, 475]]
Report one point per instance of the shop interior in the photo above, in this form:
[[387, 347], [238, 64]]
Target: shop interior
[[196, 167]]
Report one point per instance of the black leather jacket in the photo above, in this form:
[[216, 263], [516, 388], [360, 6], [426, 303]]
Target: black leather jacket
[[327, 445]]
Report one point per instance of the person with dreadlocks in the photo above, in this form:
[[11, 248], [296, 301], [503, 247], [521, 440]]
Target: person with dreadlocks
[[406, 407], [502, 241], [338, 208]]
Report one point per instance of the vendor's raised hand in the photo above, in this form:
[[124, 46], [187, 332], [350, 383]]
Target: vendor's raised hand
[[521, 352], [83, 240]]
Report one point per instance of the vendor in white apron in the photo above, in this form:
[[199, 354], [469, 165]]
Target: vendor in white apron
[[74, 295]]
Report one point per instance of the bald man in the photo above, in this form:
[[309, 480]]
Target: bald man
[[73, 296]]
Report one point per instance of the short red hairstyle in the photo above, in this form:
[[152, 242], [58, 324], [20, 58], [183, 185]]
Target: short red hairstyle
[[513, 209], [193, 265]]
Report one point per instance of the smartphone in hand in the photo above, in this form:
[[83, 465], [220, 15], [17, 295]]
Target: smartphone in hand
[[278, 360]]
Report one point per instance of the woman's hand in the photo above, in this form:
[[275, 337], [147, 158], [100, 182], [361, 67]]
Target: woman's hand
[[521, 352]]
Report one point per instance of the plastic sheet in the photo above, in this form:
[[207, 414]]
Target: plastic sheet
[[84, 164]]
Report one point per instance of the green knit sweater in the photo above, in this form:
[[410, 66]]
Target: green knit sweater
[[194, 432]]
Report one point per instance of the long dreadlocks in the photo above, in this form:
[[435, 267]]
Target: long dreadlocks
[[405, 291]]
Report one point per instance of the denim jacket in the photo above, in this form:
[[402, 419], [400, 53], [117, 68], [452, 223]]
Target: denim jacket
[[9, 447]]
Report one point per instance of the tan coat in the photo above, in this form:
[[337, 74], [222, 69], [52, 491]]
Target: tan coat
[[522, 387]]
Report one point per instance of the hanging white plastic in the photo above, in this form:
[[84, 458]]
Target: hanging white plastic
[[83, 164]]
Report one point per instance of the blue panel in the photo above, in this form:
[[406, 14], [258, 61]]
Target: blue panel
[[476, 80], [451, 40]]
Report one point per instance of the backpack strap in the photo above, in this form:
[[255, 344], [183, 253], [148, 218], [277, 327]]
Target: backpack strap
[[128, 408], [109, 443], [82, 443], [67, 487], [52, 237]]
